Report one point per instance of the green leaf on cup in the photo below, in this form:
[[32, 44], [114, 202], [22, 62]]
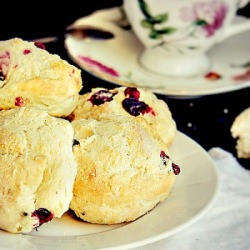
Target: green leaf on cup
[[167, 30], [192, 47], [150, 21], [146, 24], [200, 22], [157, 34], [144, 8], [149, 17], [246, 65], [161, 18]]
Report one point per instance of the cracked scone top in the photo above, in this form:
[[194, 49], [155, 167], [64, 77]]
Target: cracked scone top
[[31, 76], [123, 170], [37, 168], [130, 102]]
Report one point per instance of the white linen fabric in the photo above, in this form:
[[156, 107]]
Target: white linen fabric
[[226, 225]]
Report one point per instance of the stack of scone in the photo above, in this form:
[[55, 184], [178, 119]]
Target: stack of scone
[[37, 165], [103, 155], [124, 167]]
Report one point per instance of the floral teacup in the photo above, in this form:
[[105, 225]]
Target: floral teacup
[[177, 34]]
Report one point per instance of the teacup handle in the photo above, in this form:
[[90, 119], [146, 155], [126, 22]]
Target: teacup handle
[[241, 26], [242, 3]]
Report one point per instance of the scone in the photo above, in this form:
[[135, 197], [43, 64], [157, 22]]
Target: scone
[[131, 102], [123, 170], [240, 130], [31, 76], [37, 168]]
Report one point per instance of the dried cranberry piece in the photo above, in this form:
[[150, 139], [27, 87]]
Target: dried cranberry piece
[[26, 51], [149, 110], [163, 154], [135, 107], [70, 117], [19, 101], [39, 45], [165, 158], [213, 76], [132, 92], [101, 97], [43, 215], [176, 169]]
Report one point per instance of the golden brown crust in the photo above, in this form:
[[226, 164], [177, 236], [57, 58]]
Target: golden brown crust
[[121, 175], [37, 167]]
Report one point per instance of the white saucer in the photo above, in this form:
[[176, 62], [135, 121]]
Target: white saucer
[[116, 60], [192, 196]]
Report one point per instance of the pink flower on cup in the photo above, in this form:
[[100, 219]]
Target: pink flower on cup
[[208, 15]]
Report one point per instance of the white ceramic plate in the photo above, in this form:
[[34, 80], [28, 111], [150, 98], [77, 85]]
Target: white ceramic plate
[[191, 197], [116, 60]]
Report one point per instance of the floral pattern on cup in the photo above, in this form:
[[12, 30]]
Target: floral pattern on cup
[[206, 17], [209, 16]]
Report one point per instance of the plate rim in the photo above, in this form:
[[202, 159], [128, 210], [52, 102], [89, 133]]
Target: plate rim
[[180, 136]]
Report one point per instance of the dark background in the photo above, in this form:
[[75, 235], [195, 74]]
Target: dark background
[[35, 19], [205, 119]]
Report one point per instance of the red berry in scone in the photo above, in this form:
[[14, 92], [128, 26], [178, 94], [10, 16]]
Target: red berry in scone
[[130, 102], [36, 77]]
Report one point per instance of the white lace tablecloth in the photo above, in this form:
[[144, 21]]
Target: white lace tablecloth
[[227, 224]]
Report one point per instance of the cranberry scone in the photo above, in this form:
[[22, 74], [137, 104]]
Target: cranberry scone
[[31, 76], [37, 168], [123, 170], [240, 130], [130, 102]]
